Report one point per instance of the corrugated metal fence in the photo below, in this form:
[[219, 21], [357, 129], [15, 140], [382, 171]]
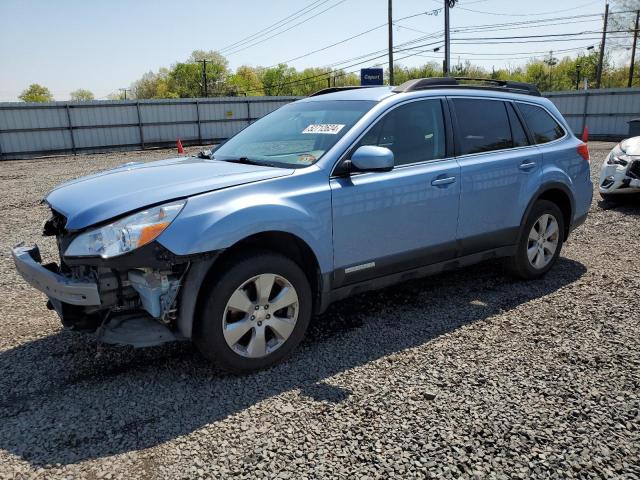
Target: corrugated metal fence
[[35, 129], [605, 111]]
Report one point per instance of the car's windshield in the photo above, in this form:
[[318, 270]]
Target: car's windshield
[[296, 135]]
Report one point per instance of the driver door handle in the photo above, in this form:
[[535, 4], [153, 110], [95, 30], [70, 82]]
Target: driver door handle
[[443, 181], [527, 164]]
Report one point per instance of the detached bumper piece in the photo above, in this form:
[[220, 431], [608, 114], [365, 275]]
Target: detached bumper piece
[[54, 285], [137, 330]]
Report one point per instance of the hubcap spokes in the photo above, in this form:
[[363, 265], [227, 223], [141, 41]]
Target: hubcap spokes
[[543, 241], [260, 315]]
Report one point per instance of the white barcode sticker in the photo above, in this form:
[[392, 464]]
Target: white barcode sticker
[[327, 128]]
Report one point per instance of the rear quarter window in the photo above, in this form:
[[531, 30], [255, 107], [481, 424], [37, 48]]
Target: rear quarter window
[[541, 124]]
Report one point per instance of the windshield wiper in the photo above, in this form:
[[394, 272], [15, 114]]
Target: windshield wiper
[[249, 161]]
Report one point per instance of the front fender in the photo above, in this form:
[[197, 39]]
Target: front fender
[[217, 220]]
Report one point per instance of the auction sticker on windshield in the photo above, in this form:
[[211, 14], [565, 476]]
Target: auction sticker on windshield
[[327, 128]]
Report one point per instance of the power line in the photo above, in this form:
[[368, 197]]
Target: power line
[[374, 56], [274, 26], [325, 74], [236, 50], [524, 53], [531, 14], [330, 46], [428, 12], [586, 32], [470, 28], [505, 26]]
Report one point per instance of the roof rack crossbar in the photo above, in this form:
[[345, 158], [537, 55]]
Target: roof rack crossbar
[[490, 83]]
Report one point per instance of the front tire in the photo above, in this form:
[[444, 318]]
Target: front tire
[[256, 312], [540, 242]]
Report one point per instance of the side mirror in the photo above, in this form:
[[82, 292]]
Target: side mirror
[[369, 158]]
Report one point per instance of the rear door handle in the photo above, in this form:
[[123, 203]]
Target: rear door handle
[[526, 165], [443, 181]]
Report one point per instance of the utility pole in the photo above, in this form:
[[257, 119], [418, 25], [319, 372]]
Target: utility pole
[[204, 90], [125, 90], [390, 22], [602, 46], [633, 50], [551, 62], [447, 39], [578, 66]]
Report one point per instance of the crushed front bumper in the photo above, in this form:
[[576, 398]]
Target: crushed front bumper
[[54, 285], [616, 178]]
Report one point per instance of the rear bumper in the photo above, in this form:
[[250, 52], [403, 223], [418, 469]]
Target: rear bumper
[[54, 285]]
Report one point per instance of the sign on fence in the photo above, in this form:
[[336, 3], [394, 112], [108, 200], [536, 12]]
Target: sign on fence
[[371, 76]]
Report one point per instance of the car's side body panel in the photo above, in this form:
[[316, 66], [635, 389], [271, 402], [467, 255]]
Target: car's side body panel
[[217, 220], [562, 164], [382, 219], [496, 188]]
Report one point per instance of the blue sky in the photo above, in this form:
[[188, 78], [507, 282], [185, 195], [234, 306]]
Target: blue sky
[[105, 45]]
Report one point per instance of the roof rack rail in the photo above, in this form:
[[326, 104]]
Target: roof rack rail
[[488, 83], [324, 91]]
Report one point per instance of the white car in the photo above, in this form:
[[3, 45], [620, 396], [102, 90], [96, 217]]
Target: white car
[[620, 172]]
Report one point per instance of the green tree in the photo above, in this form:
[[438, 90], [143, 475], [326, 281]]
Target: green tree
[[245, 81], [153, 85], [278, 80], [217, 70], [401, 74], [187, 80], [81, 95], [36, 93]]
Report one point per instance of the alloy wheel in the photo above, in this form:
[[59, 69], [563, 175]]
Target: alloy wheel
[[543, 241], [260, 315]]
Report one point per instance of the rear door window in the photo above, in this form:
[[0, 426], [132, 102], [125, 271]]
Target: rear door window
[[483, 125], [542, 125]]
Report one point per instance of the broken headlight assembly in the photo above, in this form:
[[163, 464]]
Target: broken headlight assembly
[[125, 234], [618, 157]]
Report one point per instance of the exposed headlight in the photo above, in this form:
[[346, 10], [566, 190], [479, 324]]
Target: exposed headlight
[[618, 157], [125, 234]]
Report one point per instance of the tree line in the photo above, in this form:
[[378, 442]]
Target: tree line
[[187, 79]]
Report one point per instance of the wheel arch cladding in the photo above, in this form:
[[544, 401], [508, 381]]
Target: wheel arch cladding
[[284, 243]]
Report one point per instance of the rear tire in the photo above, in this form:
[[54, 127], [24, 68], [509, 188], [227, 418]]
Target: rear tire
[[257, 310], [540, 241]]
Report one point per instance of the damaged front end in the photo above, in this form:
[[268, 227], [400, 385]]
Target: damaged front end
[[127, 298], [620, 172]]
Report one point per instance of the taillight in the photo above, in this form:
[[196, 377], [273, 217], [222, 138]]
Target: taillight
[[583, 150]]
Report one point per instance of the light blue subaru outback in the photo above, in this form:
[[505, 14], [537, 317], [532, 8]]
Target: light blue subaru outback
[[349, 190]]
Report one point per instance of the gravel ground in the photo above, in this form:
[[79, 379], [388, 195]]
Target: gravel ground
[[468, 374]]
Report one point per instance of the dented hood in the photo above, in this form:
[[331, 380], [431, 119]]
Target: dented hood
[[105, 195]]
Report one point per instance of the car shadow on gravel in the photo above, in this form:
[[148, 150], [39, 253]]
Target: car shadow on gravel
[[60, 403], [626, 206]]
